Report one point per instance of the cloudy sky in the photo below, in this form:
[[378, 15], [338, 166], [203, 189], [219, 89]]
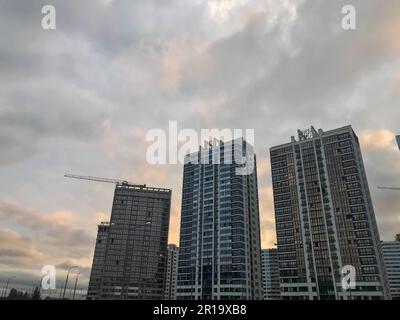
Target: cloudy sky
[[81, 99]]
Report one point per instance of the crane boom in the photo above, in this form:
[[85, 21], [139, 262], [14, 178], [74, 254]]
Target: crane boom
[[98, 179], [389, 188]]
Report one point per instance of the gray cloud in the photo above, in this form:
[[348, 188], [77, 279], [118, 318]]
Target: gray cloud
[[40, 240], [81, 98], [17, 250], [42, 226]]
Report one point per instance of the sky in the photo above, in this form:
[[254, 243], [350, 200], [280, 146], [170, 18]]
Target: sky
[[81, 99]]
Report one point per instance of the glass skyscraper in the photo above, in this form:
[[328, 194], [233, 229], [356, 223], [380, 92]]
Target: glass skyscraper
[[324, 218], [219, 251]]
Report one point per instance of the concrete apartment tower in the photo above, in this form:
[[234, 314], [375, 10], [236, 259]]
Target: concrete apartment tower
[[270, 274], [391, 255], [324, 218], [98, 261], [219, 251], [172, 273], [130, 257]]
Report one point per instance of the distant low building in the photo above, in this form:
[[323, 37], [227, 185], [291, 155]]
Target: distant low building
[[172, 271], [391, 256], [270, 274]]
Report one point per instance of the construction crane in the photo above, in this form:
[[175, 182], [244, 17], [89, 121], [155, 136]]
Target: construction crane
[[105, 180], [389, 188]]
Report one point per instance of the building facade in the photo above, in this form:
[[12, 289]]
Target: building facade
[[270, 274], [324, 218], [391, 255], [98, 260], [172, 273], [219, 250], [131, 251]]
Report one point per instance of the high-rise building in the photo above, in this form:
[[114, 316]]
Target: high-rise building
[[131, 251], [391, 255], [219, 251], [270, 274], [325, 219], [98, 260], [172, 273]]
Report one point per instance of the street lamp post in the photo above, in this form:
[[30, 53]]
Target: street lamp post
[[3, 293], [40, 284], [6, 287], [2, 290], [76, 282], [66, 279], [59, 297]]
